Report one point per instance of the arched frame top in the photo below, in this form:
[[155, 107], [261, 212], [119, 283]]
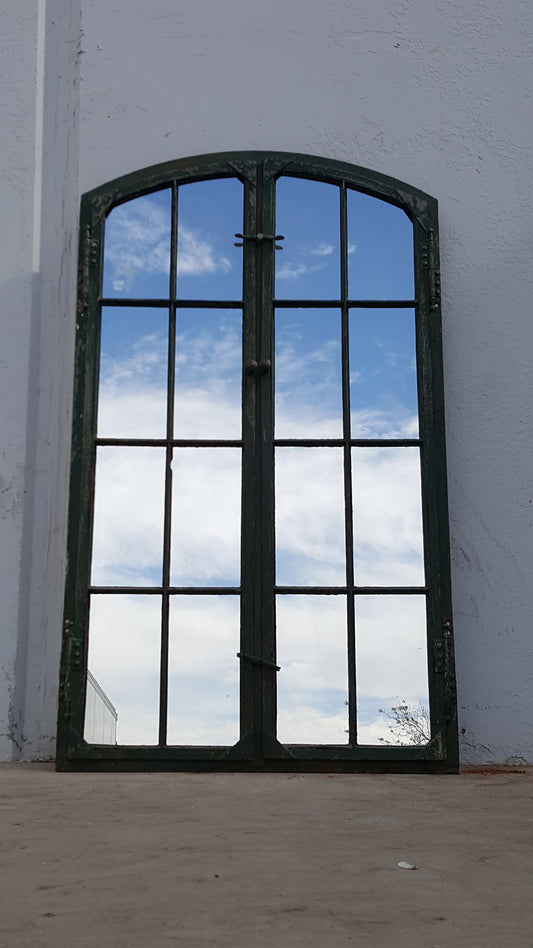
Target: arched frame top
[[420, 207]]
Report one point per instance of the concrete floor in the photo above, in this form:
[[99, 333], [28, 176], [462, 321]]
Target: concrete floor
[[262, 861]]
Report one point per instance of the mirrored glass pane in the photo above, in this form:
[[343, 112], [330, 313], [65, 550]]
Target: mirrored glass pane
[[312, 685], [309, 517], [137, 248], [307, 214], [128, 517], [308, 373], [203, 687], [383, 378], [123, 683], [380, 250], [206, 517], [132, 394], [388, 538], [210, 213], [208, 373], [391, 664]]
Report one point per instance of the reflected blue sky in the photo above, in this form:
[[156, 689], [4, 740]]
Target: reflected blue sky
[[310, 541]]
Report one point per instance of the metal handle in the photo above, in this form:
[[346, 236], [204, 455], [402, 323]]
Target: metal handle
[[260, 237]]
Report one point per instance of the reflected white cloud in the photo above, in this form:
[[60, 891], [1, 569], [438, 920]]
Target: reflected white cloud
[[310, 549], [204, 670], [138, 245], [128, 519], [312, 683], [309, 517], [323, 250]]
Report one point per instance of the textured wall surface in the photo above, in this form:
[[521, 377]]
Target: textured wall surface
[[435, 93]]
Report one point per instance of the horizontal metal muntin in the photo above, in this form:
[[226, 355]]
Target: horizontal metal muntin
[[163, 442], [278, 590], [278, 443], [351, 304], [353, 442], [160, 590], [166, 302], [352, 590]]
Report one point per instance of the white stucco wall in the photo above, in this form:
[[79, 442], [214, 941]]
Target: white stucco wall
[[434, 92]]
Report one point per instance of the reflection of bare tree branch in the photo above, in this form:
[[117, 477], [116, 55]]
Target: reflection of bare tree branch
[[410, 724]]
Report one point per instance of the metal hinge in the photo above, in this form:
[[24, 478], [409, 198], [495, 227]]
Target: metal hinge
[[88, 260], [443, 664], [428, 262]]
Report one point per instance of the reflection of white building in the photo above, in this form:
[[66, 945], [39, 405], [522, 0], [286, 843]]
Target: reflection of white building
[[435, 94], [100, 715]]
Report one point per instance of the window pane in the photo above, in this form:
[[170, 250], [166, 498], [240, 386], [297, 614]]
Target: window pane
[[137, 248], [208, 373], [308, 373], [383, 379], [132, 395], [206, 517], [312, 684], [128, 517], [309, 517], [209, 265], [307, 214], [203, 688], [380, 250], [388, 538], [124, 659], [391, 664]]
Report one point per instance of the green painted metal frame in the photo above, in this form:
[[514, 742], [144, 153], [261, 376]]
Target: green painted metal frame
[[258, 749]]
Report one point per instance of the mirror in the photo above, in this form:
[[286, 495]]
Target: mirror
[[391, 663], [128, 516], [383, 378], [312, 683], [169, 490], [308, 216], [206, 517], [209, 265], [310, 548], [308, 386], [208, 374], [123, 666], [380, 250], [137, 248], [203, 684], [132, 396]]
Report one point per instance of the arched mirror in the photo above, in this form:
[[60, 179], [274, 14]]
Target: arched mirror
[[258, 560]]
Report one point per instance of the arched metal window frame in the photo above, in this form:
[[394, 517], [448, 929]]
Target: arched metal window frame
[[255, 170]]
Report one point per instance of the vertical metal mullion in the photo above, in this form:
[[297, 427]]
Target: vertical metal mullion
[[265, 440], [348, 499], [249, 674], [167, 529]]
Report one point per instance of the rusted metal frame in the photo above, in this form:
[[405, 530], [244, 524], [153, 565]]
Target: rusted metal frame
[[347, 469], [249, 675], [76, 610], [167, 521], [440, 640], [147, 760], [266, 551], [416, 203]]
